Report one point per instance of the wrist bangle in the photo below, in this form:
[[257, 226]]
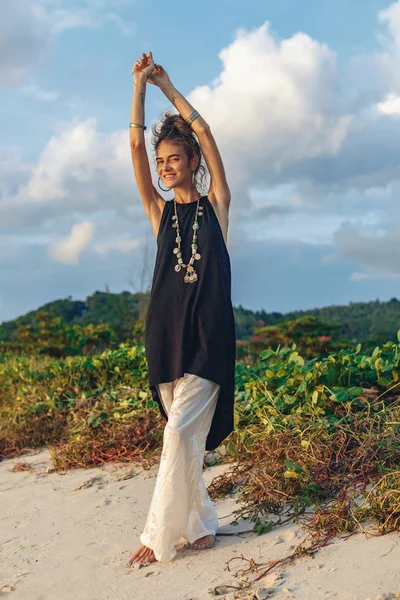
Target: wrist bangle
[[137, 125], [192, 117]]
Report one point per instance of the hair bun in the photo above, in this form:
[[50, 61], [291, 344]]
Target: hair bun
[[173, 128]]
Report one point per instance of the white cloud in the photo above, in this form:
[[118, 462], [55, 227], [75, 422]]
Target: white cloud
[[286, 111], [81, 173], [83, 167], [389, 106], [72, 154], [389, 59], [69, 249], [28, 27], [390, 17]]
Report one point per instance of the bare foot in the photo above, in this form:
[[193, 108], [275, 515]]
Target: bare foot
[[208, 541], [143, 555]]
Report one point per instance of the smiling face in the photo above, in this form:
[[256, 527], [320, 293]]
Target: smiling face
[[173, 165]]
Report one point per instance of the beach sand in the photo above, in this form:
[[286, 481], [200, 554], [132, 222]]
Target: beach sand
[[69, 536]]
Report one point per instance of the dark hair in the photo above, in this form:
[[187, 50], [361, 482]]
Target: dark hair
[[173, 128]]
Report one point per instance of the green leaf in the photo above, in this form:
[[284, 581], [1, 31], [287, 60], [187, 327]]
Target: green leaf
[[296, 358], [298, 468], [340, 397], [290, 475], [355, 391], [385, 380], [94, 421]]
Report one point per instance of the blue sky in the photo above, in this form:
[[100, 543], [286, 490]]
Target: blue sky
[[303, 98]]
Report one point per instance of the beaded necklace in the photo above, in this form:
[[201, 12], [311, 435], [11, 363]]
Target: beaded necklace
[[190, 275]]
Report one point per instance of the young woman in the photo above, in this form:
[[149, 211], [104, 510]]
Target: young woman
[[190, 330]]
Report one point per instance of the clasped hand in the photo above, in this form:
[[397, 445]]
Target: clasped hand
[[153, 73]]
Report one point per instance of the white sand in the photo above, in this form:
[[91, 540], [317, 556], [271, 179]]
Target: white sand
[[61, 542]]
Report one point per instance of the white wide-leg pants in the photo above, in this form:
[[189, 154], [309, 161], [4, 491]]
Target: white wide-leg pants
[[180, 506]]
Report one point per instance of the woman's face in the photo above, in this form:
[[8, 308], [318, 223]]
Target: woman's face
[[173, 165]]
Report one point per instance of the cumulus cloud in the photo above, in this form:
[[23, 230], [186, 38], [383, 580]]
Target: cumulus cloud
[[286, 112], [28, 27], [80, 170], [69, 249]]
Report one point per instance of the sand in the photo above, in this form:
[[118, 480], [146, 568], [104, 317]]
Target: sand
[[69, 536]]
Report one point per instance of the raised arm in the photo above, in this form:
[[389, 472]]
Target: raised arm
[[153, 202], [219, 192]]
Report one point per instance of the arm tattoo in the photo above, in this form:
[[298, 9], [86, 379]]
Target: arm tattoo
[[142, 97]]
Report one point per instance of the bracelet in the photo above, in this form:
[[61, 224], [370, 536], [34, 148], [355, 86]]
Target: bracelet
[[137, 125], [192, 117]]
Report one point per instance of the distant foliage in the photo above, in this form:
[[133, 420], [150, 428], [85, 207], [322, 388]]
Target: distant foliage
[[51, 335], [370, 322], [313, 337], [373, 322], [123, 314]]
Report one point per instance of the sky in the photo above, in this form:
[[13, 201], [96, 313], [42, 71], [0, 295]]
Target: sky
[[302, 97]]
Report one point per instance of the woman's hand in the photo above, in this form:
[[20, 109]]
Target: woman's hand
[[144, 66], [159, 76]]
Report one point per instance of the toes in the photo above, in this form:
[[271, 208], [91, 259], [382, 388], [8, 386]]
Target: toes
[[204, 543], [150, 556], [139, 556]]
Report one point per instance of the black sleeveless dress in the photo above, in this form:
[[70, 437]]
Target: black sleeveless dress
[[190, 327]]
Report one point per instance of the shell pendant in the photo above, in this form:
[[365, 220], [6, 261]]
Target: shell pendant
[[190, 278], [190, 275]]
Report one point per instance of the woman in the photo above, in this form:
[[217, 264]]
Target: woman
[[190, 329]]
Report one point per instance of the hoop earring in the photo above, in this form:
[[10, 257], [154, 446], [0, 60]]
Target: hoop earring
[[167, 190]]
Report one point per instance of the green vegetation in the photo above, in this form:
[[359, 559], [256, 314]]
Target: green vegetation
[[317, 442], [372, 323], [123, 313], [84, 406], [317, 417], [313, 337], [308, 432]]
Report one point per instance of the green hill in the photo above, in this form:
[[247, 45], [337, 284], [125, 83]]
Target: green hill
[[120, 311], [373, 321]]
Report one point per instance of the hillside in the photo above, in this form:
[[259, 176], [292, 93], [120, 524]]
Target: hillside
[[358, 321]]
